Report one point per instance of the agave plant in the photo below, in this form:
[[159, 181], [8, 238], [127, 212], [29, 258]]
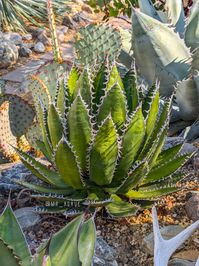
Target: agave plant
[[102, 137], [66, 247], [173, 65]]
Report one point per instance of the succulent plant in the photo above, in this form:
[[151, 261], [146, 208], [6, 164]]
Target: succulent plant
[[103, 138], [67, 247], [175, 65]]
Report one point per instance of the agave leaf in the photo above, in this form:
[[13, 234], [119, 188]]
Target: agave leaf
[[154, 56], [161, 125], [169, 181], [40, 170], [59, 102], [176, 15], [148, 99], [7, 257], [72, 80], [146, 7], [166, 168], [113, 78], [84, 86], [134, 177], [195, 62], [54, 125], [42, 116], [114, 103], [192, 33], [44, 189], [152, 114], [131, 143], [99, 85], [157, 146], [59, 209], [103, 154], [67, 165], [131, 91], [12, 235], [168, 154], [147, 194], [79, 128], [63, 247], [86, 243], [42, 148], [187, 99], [120, 208]]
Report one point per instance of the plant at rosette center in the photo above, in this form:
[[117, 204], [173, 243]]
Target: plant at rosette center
[[103, 138]]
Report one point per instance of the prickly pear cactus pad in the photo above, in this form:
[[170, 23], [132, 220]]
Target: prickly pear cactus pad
[[6, 136], [96, 42], [16, 115], [103, 138], [33, 134]]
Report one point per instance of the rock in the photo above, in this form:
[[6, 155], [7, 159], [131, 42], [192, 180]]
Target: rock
[[44, 39], [69, 22], [63, 29], [60, 36], [187, 147], [196, 164], [180, 262], [27, 217], [191, 194], [87, 9], [27, 37], [14, 37], [24, 52], [191, 255], [11, 172], [79, 2], [39, 47], [37, 31], [104, 254], [192, 207], [167, 233], [81, 17], [28, 45], [8, 53]]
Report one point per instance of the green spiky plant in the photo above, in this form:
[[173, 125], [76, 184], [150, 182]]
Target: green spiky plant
[[103, 138], [73, 245]]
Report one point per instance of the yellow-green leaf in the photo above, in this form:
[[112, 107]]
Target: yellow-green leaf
[[103, 154], [67, 165]]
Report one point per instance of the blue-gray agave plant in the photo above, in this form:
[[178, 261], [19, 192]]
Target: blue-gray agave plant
[[165, 46], [103, 138]]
